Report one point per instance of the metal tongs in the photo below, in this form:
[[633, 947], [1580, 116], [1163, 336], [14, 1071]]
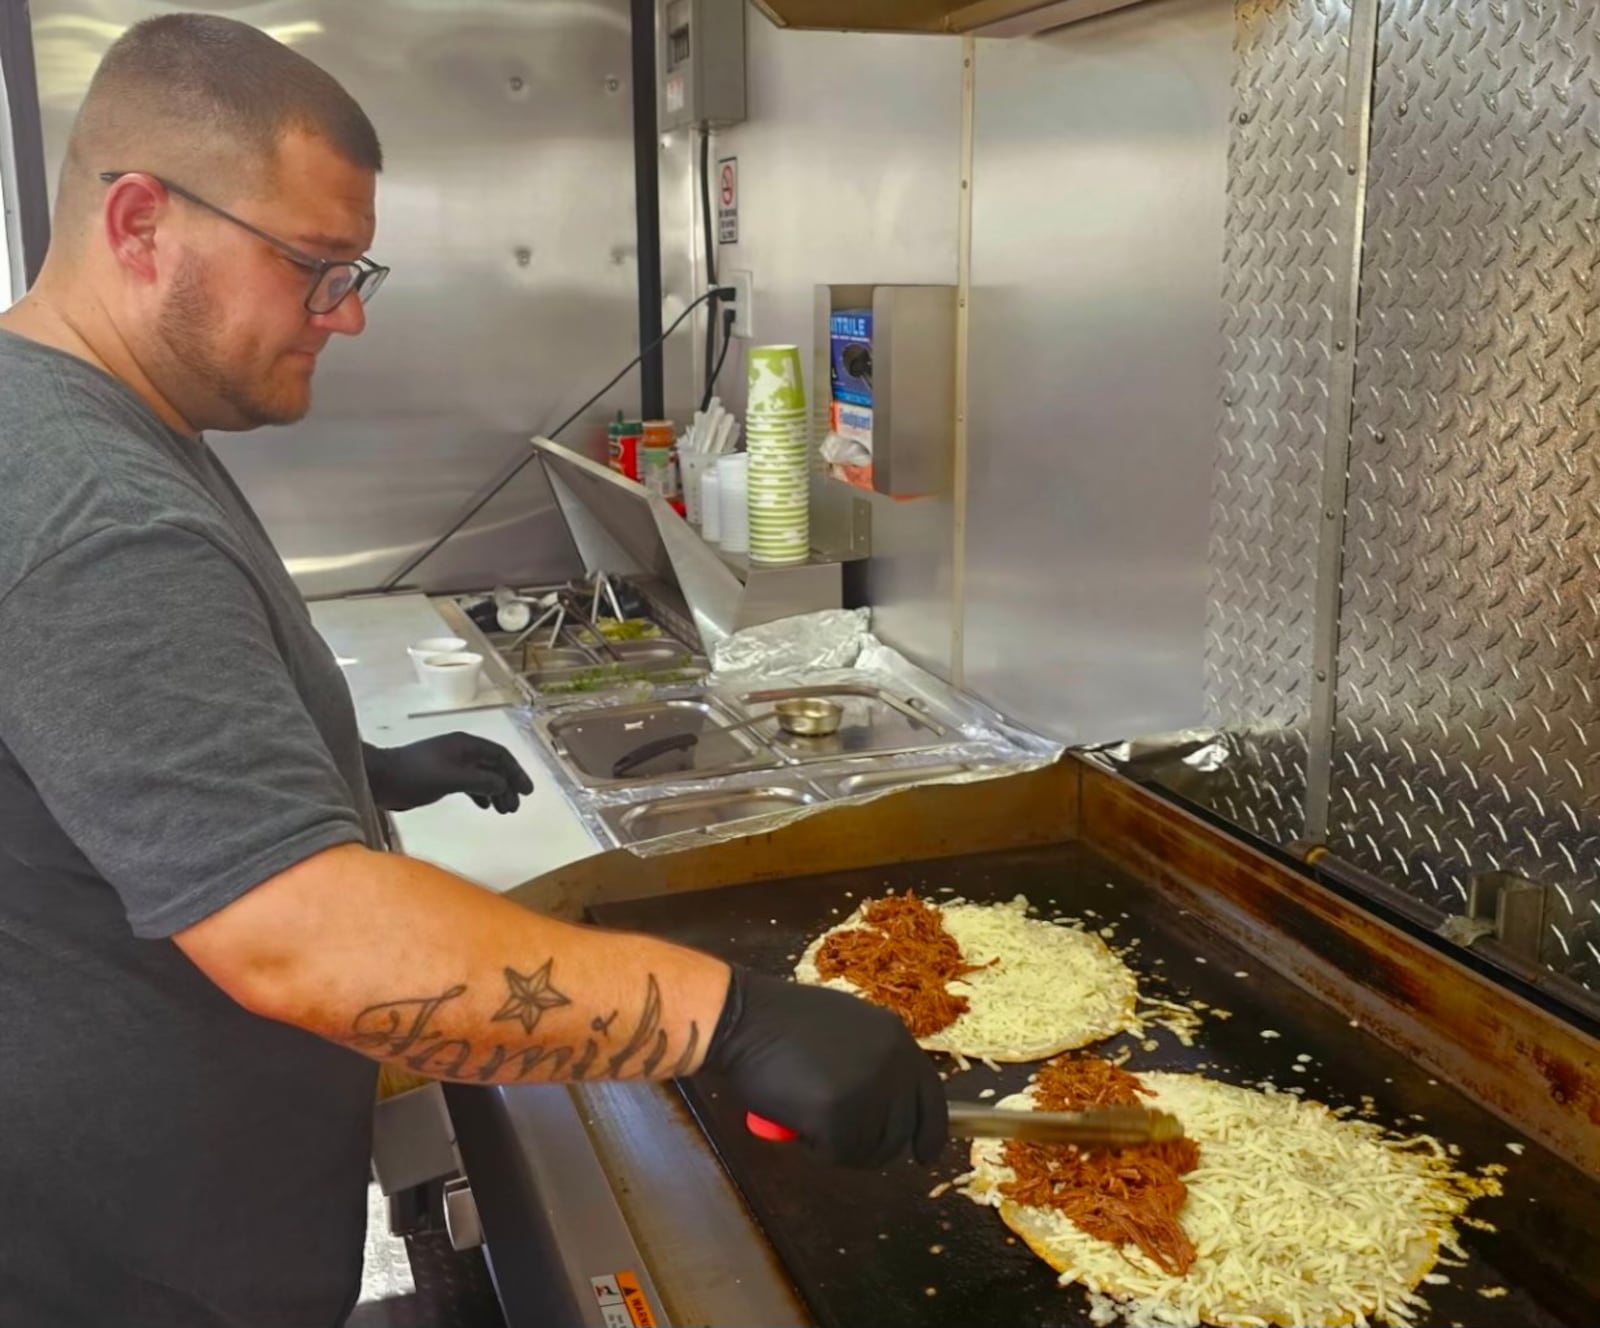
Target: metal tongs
[[1100, 1130]]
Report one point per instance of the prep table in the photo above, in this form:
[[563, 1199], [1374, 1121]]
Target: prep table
[[369, 638]]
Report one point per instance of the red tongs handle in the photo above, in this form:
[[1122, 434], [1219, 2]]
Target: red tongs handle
[[762, 1128]]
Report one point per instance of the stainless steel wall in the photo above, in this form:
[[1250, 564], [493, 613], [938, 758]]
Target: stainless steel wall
[[1468, 736], [1097, 233], [848, 172], [1405, 596], [682, 277], [507, 214]]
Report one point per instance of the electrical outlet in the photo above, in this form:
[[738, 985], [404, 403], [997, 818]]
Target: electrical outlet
[[743, 320]]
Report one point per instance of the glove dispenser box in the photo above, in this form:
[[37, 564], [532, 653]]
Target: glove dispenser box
[[883, 382]]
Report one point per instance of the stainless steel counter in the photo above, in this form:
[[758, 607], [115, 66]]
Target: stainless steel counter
[[601, 1180]]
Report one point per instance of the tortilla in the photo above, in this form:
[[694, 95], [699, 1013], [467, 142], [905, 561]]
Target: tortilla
[[1298, 1216], [1038, 989]]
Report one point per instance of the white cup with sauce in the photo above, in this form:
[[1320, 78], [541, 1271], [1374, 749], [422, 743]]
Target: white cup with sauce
[[433, 645], [452, 678]]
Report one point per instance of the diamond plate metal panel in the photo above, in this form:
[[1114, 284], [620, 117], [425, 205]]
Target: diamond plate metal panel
[[1282, 264], [1468, 733]]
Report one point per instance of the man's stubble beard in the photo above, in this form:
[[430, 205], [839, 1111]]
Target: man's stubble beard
[[189, 328]]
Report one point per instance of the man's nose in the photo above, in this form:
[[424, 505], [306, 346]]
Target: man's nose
[[348, 318]]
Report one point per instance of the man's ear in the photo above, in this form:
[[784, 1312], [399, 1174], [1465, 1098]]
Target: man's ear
[[134, 207]]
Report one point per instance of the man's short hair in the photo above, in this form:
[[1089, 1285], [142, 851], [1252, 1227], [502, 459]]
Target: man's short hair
[[206, 100]]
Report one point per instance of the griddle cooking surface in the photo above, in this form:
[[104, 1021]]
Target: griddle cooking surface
[[860, 1246]]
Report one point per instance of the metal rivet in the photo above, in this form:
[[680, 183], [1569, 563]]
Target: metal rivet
[[1331, 515], [1322, 675], [516, 83], [1244, 117], [1338, 345], [1403, 108], [1350, 169], [524, 256], [612, 82], [1380, 437]]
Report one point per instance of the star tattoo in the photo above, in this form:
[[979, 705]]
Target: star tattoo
[[531, 995]]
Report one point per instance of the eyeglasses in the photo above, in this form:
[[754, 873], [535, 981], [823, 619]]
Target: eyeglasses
[[332, 279]]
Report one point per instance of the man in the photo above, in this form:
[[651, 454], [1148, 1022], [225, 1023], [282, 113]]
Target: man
[[203, 953]]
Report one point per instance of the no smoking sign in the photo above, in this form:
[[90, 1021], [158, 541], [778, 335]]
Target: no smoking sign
[[728, 201]]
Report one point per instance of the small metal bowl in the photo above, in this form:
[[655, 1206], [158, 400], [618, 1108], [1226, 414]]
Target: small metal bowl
[[809, 716]]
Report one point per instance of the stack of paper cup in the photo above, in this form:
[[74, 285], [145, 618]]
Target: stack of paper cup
[[732, 486], [778, 428]]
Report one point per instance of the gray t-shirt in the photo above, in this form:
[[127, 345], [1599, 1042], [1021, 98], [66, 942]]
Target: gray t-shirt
[[173, 732]]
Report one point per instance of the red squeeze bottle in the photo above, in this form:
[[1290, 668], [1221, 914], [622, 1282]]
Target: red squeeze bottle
[[762, 1128]]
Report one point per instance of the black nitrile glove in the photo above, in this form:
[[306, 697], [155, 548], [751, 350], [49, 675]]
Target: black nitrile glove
[[844, 1075], [423, 772]]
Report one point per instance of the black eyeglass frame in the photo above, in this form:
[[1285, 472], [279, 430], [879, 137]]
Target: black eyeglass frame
[[366, 275]]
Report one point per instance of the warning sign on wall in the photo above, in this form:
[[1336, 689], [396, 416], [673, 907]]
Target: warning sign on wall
[[728, 201]]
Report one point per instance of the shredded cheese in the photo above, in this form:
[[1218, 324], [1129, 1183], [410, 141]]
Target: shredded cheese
[[1053, 988], [1299, 1216]]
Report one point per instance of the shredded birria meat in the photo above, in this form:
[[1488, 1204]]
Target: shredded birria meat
[[901, 958], [1132, 1196]]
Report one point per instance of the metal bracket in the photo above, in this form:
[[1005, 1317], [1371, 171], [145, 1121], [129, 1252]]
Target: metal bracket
[[1351, 220], [860, 527], [1508, 907], [461, 1221], [1515, 908], [413, 1142]]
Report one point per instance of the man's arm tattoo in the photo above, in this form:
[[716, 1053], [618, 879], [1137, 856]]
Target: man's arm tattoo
[[404, 1030], [530, 996]]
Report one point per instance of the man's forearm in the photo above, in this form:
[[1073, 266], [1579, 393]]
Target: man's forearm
[[417, 968]]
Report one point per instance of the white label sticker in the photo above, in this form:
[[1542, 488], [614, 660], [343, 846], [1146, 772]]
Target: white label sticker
[[728, 201], [674, 94]]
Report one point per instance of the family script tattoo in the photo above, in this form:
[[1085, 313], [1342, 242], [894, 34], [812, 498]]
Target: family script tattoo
[[406, 1030]]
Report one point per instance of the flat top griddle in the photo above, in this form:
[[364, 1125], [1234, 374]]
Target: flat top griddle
[[873, 1249]]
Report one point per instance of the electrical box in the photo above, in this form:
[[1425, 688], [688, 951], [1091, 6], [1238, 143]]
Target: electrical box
[[699, 63]]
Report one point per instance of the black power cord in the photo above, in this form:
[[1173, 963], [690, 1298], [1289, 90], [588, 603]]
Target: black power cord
[[710, 295], [711, 271], [728, 315]]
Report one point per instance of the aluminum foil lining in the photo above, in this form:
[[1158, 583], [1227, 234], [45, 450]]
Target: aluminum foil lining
[[980, 743]]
